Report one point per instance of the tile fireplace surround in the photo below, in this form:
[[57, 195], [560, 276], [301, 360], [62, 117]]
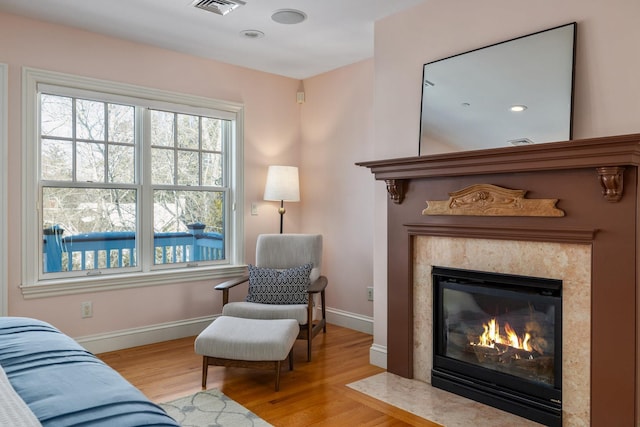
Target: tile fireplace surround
[[592, 248], [569, 262]]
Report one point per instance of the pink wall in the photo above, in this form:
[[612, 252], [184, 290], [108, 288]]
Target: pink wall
[[369, 110], [337, 132], [606, 90], [272, 135]]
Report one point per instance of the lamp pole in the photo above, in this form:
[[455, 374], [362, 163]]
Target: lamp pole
[[281, 211]]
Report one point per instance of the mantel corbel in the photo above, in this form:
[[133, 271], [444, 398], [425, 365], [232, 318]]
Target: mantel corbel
[[395, 188], [612, 182]]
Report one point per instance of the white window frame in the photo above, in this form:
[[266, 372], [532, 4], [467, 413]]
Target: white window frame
[[32, 286], [4, 188]]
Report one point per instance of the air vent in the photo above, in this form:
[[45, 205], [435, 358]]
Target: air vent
[[520, 141], [221, 7]]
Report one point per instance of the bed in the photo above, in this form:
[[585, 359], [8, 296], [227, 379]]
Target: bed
[[62, 384]]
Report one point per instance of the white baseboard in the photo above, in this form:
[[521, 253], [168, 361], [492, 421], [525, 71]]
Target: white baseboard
[[127, 338], [378, 356], [117, 340], [349, 320]]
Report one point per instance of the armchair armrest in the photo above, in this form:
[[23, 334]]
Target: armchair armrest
[[225, 286], [231, 283], [318, 286]]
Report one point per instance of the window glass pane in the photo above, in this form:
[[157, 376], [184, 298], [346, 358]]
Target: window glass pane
[[121, 123], [90, 120], [162, 128], [188, 131], [188, 226], [211, 134], [121, 164], [56, 160], [188, 168], [56, 116], [88, 228], [162, 166], [90, 162], [212, 169]]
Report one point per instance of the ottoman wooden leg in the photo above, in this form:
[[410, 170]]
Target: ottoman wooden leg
[[277, 375], [291, 359], [205, 370]]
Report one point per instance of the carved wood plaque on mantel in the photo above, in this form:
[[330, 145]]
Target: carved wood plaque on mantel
[[491, 200]]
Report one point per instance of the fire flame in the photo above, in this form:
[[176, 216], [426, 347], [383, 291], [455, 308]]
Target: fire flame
[[492, 336]]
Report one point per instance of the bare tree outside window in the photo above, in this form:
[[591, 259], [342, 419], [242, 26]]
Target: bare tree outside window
[[91, 185]]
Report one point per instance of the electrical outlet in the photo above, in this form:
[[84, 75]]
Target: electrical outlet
[[254, 209], [86, 309], [370, 293]]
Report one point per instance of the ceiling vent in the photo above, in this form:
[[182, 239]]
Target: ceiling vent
[[221, 7]]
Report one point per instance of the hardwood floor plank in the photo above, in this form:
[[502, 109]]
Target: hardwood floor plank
[[313, 394]]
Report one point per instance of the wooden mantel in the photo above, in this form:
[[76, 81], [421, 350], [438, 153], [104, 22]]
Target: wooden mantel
[[595, 152], [603, 154], [595, 183]]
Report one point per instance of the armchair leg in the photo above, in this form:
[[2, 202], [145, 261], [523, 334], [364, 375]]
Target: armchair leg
[[324, 313]]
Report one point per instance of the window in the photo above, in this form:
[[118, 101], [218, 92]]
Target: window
[[128, 185]]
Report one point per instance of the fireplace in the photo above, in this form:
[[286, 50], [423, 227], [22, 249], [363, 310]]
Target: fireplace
[[498, 339], [595, 183]]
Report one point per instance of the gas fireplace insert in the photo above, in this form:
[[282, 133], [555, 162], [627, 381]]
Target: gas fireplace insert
[[497, 339]]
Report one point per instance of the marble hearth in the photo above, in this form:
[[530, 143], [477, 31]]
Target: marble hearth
[[591, 246]]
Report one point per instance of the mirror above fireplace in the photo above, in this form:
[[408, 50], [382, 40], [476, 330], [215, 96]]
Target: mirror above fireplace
[[512, 93]]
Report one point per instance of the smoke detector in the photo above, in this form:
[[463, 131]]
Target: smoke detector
[[289, 16], [221, 7]]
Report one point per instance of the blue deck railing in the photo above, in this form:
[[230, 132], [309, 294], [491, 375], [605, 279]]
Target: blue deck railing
[[117, 248]]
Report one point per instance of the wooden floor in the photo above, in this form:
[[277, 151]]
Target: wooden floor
[[313, 394]]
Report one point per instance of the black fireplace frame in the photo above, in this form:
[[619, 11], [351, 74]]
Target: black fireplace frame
[[538, 402]]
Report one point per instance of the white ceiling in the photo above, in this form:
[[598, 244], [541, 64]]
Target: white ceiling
[[336, 33]]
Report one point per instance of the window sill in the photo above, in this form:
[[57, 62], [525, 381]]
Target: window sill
[[59, 287]]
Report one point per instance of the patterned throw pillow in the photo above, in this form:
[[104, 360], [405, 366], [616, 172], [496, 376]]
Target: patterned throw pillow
[[271, 286]]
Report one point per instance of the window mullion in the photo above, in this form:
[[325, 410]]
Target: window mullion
[[176, 152], [200, 153], [74, 141], [105, 169], [145, 205]]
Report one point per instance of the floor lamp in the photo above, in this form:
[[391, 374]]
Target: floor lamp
[[282, 185]]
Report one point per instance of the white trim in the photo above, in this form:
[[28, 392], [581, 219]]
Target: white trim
[[127, 338], [4, 188], [127, 281], [123, 89], [349, 320], [378, 356]]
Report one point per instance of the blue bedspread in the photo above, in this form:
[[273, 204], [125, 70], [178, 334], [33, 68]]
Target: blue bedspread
[[65, 385]]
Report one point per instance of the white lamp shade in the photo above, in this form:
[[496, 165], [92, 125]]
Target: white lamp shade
[[282, 184]]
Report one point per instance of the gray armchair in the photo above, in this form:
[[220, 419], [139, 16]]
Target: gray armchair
[[281, 252]]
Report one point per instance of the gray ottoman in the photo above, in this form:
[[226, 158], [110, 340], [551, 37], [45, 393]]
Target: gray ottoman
[[247, 343]]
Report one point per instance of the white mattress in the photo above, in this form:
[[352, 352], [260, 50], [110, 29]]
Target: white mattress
[[13, 411]]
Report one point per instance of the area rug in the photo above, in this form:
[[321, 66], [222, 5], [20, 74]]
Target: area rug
[[211, 408]]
